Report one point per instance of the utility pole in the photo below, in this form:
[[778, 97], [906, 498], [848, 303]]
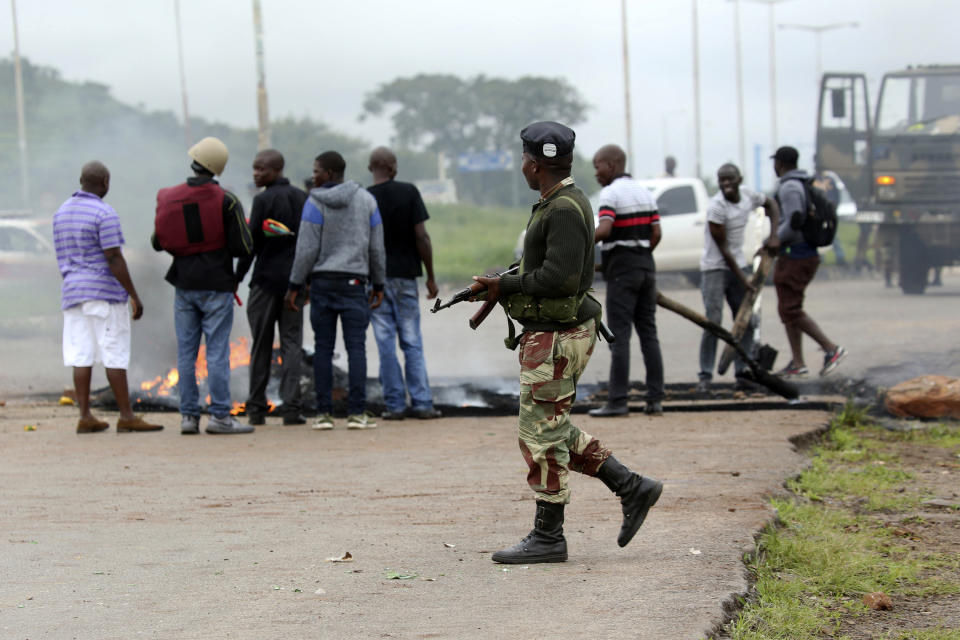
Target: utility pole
[[626, 80], [263, 116], [741, 153], [696, 91], [818, 30], [183, 79], [773, 70], [21, 122]]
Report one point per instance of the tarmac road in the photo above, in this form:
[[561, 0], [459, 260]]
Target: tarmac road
[[167, 536]]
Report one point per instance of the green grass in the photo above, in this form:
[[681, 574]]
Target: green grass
[[469, 240], [832, 543]]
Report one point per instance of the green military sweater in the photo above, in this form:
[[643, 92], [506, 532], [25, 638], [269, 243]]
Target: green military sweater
[[558, 256]]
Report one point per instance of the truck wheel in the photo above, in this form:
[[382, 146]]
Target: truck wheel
[[914, 263]]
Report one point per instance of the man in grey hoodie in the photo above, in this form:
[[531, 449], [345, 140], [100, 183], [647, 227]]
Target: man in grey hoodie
[[796, 267], [340, 248]]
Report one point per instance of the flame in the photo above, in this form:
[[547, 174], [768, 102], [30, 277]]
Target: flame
[[239, 357]]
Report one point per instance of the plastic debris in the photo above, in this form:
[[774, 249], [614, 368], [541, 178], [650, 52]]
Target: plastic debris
[[346, 557], [694, 552], [29, 427], [396, 575], [66, 400]]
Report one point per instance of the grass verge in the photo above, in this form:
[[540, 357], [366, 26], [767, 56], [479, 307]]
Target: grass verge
[[850, 527]]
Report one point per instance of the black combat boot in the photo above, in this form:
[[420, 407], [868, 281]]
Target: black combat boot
[[637, 494], [544, 544]]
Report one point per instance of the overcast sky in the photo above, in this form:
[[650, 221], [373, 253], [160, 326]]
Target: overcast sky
[[323, 57]]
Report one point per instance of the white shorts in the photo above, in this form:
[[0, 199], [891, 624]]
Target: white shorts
[[97, 331]]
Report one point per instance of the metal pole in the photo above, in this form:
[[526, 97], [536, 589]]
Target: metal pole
[[819, 33], [741, 153], [183, 79], [773, 85], [21, 122], [626, 80], [696, 91], [817, 30], [263, 116]]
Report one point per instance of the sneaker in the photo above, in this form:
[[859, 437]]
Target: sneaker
[[137, 424], [294, 418], [361, 421], [324, 422], [392, 415], [832, 359], [189, 425], [256, 419], [227, 425], [426, 414], [792, 371]]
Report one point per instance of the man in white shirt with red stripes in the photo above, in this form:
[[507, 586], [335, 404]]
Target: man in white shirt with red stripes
[[629, 230]]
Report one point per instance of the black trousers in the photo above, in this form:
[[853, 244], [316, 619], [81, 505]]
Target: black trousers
[[264, 310], [632, 303]]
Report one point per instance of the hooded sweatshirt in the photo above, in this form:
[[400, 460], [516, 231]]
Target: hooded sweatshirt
[[341, 235], [792, 198]]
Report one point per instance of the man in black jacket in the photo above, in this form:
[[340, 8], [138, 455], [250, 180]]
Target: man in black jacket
[[274, 220], [203, 227]]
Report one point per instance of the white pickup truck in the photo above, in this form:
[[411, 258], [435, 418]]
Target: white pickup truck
[[682, 204]]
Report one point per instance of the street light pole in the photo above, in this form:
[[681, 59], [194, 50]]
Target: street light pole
[[818, 30], [626, 80], [263, 115], [696, 91], [21, 122], [773, 67], [183, 79], [741, 153]]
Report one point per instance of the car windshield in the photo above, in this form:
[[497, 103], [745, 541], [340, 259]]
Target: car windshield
[[920, 105]]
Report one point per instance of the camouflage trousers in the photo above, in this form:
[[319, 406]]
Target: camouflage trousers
[[551, 362]]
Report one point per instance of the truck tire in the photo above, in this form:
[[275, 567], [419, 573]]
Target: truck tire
[[914, 263]]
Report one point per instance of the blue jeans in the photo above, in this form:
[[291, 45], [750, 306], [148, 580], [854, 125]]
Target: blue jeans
[[715, 285], [399, 318], [210, 314], [331, 299]]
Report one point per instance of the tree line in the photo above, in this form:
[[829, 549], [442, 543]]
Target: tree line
[[69, 123]]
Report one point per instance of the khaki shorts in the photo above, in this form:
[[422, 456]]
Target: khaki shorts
[[97, 331]]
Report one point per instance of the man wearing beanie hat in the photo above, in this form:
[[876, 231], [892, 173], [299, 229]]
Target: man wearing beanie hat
[[549, 297]]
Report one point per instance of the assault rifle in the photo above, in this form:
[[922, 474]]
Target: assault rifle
[[477, 288], [471, 292]]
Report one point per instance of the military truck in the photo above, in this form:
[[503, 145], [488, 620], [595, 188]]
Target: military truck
[[903, 165]]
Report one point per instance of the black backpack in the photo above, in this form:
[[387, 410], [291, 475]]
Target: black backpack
[[819, 225]]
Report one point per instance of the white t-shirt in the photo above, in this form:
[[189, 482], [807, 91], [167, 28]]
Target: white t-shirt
[[734, 216]]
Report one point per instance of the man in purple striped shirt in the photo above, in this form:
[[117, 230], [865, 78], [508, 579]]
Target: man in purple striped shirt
[[95, 291]]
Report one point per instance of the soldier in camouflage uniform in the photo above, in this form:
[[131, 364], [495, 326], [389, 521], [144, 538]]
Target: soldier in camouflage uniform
[[549, 297]]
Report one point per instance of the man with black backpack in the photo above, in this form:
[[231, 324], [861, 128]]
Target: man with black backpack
[[806, 223]]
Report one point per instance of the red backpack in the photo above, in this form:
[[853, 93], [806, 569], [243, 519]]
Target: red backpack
[[190, 219]]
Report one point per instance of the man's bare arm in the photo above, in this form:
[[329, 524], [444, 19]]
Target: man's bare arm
[[118, 267]]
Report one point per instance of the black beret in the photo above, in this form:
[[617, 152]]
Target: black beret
[[787, 155], [548, 139]]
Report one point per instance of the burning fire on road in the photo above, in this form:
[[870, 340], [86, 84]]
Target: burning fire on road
[[161, 391]]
